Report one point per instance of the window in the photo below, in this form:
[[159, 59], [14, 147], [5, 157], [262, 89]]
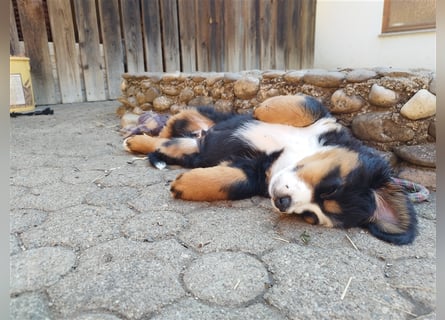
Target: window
[[407, 15]]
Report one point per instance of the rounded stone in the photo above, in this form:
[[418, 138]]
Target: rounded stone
[[162, 103], [246, 88], [200, 101], [423, 155], [199, 90], [38, 268], [155, 224], [151, 94], [294, 77], [224, 105], [379, 127], [171, 90], [360, 75], [324, 79], [421, 105], [186, 95], [423, 176], [342, 103], [382, 97], [140, 98], [236, 278]]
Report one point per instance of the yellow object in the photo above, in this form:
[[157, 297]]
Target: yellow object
[[21, 97]]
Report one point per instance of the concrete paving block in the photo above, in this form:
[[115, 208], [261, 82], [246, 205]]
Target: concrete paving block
[[22, 219], [157, 197], [216, 229], [52, 197], [128, 277], [192, 309], [14, 245], [423, 246], [314, 283], [103, 196], [152, 225], [29, 306], [38, 268], [80, 226], [414, 279], [95, 316], [236, 278], [132, 176], [36, 176]]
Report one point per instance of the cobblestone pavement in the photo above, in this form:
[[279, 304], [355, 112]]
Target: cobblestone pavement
[[95, 235]]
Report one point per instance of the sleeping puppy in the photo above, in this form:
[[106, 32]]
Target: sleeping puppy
[[290, 149]]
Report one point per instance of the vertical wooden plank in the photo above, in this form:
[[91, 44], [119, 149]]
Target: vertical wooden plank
[[217, 35], [250, 47], [187, 34], [268, 17], [307, 33], [281, 28], [89, 45], [152, 35], [112, 45], [67, 60], [14, 47], [234, 34], [132, 31], [202, 34], [36, 48], [292, 33], [170, 35]]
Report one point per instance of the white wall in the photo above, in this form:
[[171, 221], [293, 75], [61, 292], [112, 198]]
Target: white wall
[[348, 35]]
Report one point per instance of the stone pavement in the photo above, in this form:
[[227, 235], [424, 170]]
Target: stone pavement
[[95, 235]]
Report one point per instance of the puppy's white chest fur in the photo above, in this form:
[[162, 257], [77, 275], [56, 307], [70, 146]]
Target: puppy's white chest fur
[[296, 143]]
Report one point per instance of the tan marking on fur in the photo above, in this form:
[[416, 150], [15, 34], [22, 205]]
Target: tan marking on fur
[[206, 184], [142, 144], [332, 206], [314, 168], [310, 219], [196, 120], [180, 147], [287, 110]]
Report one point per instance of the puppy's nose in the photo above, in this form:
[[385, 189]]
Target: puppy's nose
[[282, 203]]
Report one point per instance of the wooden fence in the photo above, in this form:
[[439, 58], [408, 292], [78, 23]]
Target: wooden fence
[[79, 49]]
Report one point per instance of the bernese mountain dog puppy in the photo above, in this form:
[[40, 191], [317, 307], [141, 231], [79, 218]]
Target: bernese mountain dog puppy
[[291, 149]]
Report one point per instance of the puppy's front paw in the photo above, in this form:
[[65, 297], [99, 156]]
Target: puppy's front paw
[[142, 144]]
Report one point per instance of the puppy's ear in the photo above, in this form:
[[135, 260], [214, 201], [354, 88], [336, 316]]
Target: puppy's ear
[[394, 219]]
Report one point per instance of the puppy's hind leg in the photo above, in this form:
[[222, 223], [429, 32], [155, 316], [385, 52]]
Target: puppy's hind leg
[[293, 110], [212, 184]]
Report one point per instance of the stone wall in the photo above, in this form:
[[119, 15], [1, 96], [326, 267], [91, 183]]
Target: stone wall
[[390, 109]]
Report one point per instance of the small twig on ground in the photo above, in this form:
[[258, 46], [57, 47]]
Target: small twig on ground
[[281, 239], [136, 159], [350, 240], [346, 288], [237, 284]]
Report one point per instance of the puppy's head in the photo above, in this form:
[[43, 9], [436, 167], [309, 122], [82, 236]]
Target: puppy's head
[[338, 187]]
